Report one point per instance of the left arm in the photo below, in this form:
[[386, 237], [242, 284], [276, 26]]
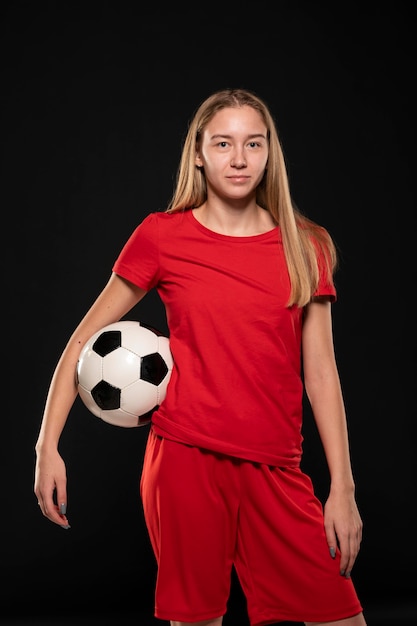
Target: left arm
[[343, 524]]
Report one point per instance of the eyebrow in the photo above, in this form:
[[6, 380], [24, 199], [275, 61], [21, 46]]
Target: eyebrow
[[224, 136]]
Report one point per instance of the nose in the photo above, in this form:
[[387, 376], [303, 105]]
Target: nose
[[238, 159]]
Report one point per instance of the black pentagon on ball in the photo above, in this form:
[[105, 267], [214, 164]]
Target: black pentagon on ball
[[153, 368], [106, 396], [107, 342]]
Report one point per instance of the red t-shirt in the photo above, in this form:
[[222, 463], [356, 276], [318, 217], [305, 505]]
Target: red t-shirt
[[236, 385]]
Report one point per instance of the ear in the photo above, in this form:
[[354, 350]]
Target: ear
[[198, 161]]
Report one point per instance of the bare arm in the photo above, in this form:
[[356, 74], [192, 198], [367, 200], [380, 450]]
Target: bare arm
[[117, 298], [343, 524]]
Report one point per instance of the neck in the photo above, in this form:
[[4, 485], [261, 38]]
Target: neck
[[240, 221]]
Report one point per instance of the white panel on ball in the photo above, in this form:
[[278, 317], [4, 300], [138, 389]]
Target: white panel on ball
[[123, 373]]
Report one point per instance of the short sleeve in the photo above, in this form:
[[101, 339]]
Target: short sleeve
[[325, 285], [138, 260]]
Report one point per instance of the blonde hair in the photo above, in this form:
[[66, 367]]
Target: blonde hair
[[302, 238]]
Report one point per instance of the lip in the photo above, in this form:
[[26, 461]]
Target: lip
[[238, 179]]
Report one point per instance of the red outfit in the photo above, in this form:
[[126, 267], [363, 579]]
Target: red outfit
[[206, 512], [221, 483], [236, 386]]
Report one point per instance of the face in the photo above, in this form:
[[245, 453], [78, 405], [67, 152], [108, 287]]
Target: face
[[234, 152]]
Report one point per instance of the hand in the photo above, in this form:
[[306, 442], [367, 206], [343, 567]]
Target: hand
[[50, 480], [343, 527]]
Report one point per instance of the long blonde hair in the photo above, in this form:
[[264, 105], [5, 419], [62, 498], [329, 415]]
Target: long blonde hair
[[301, 237]]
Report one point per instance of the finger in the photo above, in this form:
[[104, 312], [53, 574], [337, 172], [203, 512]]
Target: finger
[[345, 557], [331, 541], [61, 496], [62, 509], [41, 504], [349, 556], [52, 511]]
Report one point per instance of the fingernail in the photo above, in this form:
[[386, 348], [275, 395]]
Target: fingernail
[[332, 552], [348, 575], [342, 572], [63, 508], [65, 526]]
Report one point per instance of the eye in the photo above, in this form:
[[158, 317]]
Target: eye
[[222, 144], [254, 144]]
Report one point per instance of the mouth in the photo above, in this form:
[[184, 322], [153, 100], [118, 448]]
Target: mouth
[[238, 179]]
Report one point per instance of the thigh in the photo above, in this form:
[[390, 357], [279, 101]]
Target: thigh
[[190, 512], [283, 560]]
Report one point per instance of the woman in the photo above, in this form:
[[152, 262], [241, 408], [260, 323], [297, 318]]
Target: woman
[[247, 283]]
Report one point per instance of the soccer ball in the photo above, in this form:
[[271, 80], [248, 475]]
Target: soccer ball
[[123, 372]]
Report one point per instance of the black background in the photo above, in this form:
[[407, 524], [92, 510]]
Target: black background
[[96, 100]]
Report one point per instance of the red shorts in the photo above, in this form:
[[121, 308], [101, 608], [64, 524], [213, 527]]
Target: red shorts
[[206, 512]]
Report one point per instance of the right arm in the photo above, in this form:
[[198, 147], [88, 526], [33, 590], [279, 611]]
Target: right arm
[[117, 298]]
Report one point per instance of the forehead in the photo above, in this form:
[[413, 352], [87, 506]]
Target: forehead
[[236, 120]]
